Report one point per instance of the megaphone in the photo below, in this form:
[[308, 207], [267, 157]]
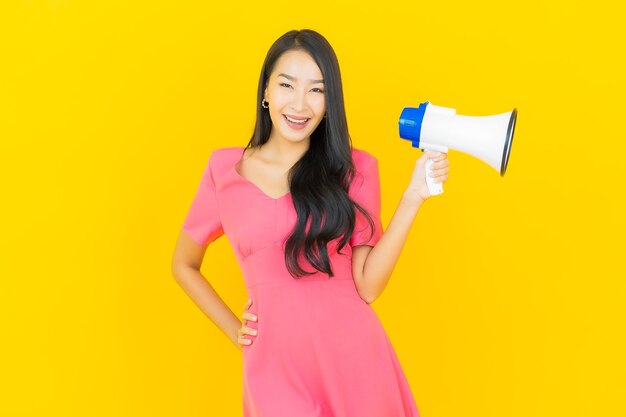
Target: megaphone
[[436, 128]]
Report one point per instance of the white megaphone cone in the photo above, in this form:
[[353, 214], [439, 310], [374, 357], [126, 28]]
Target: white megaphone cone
[[436, 128]]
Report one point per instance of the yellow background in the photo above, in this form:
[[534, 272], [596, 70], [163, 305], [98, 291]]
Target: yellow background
[[508, 297]]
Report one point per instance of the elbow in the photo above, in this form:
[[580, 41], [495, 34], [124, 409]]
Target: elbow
[[175, 266], [178, 270], [182, 263], [183, 271], [175, 270], [364, 293], [369, 299]]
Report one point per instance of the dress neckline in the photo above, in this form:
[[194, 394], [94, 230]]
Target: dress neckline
[[246, 180]]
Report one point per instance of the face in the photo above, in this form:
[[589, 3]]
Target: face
[[295, 92]]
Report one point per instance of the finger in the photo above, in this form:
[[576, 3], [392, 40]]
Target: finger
[[244, 332], [249, 330], [442, 171], [244, 340], [439, 172], [440, 165], [249, 316], [440, 161]]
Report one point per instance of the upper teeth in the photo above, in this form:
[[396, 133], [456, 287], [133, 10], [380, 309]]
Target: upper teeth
[[296, 121]]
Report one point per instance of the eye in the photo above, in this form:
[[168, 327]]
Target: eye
[[317, 90], [285, 85]]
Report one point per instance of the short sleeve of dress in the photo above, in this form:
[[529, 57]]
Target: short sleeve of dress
[[365, 190], [203, 223]]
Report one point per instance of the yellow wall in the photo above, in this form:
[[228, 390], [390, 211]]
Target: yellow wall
[[508, 297]]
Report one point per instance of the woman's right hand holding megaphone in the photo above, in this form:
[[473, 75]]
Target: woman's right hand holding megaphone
[[438, 173]]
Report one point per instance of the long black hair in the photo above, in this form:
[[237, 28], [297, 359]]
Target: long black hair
[[320, 180]]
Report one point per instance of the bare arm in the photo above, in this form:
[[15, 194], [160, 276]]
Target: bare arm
[[186, 262], [372, 265]]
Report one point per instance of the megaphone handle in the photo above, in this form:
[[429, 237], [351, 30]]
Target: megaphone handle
[[434, 188]]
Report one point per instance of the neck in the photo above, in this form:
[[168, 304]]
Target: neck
[[285, 151]]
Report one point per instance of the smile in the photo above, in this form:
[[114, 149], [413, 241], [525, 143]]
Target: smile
[[297, 121]]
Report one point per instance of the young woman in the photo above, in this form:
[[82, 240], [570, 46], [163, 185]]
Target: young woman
[[301, 209]]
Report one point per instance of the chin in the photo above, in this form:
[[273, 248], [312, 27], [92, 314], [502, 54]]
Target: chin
[[298, 139], [297, 136]]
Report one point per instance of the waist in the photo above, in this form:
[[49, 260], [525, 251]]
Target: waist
[[267, 266]]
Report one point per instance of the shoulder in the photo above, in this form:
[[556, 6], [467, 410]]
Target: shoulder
[[362, 156], [366, 170], [222, 159], [225, 155], [363, 159]]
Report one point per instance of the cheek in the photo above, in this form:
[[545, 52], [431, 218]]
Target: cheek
[[319, 104], [278, 101], [276, 116]]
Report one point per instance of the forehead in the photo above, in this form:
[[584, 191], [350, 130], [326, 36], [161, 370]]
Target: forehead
[[298, 64]]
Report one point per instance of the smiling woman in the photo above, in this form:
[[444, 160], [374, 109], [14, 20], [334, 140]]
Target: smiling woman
[[301, 208]]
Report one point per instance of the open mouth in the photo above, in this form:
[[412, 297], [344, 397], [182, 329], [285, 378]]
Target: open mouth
[[296, 123]]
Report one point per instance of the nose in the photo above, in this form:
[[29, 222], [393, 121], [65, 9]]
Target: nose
[[299, 103]]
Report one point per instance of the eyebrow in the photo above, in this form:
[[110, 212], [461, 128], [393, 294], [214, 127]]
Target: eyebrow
[[289, 77]]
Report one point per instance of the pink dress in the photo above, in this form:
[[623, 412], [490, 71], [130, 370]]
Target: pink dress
[[321, 350]]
